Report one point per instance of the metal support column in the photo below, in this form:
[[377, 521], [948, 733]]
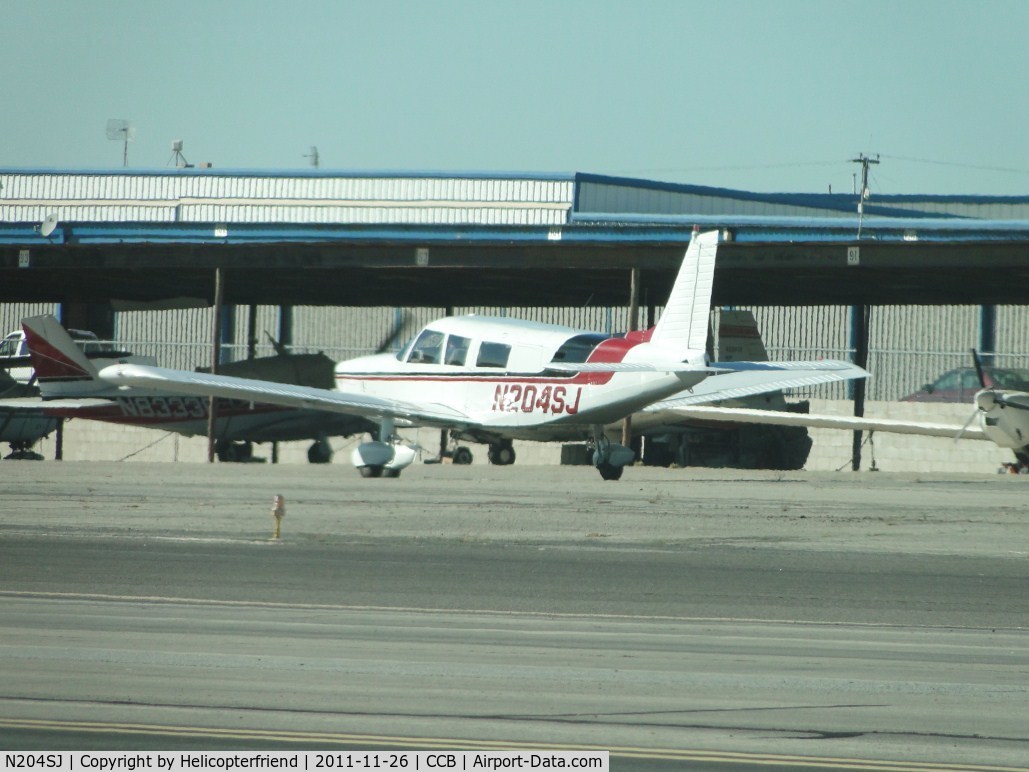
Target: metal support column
[[987, 335], [216, 336], [859, 317], [632, 326], [252, 332]]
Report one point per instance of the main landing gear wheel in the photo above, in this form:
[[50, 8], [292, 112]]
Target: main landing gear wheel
[[229, 451], [501, 453], [22, 452], [463, 456], [378, 471], [320, 452], [610, 471]]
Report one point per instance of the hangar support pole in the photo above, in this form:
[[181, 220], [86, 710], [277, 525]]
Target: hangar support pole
[[285, 341], [859, 316], [987, 335], [285, 326], [632, 326], [444, 433], [216, 339], [252, 331]]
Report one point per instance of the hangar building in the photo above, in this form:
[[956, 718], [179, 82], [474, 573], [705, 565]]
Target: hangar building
[[323, 260]]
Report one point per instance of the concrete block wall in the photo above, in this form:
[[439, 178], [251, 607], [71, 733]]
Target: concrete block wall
[[94, 440]]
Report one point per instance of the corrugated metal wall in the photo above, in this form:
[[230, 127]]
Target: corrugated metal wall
[[11, 314], [208, 198], [908, 345]]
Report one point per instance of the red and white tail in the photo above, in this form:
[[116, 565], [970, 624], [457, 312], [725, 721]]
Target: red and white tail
[[683, 325], [62, 369]]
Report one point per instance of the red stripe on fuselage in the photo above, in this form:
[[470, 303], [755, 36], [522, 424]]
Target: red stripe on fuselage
[[611, 350]]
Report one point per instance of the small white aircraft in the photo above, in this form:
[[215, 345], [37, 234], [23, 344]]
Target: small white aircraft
[[493, 380]]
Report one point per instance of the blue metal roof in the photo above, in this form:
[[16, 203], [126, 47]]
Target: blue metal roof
[[592, 229], [623, 210]]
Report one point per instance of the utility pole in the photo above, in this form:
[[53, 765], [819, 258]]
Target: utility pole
[[865, 162]]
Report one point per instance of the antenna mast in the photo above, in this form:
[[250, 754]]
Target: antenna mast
[[123, 130]]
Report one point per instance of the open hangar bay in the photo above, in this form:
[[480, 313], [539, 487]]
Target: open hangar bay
[[722, 620], [908, 287]]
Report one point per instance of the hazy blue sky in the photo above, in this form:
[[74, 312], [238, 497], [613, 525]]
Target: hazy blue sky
[[755, 95]]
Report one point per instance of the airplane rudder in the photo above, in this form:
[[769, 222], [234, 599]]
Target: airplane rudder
[[684, 323], [53, 353]]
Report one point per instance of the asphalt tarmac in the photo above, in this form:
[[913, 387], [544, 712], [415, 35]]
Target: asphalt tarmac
[[679, 618]]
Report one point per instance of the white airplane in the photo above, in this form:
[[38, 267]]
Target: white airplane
[[1001, 416], [494, 380]]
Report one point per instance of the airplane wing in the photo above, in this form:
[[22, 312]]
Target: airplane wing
[[269, 392], [735, 380], [780, 418]]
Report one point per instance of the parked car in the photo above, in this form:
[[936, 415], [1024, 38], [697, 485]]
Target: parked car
[[961, 384]]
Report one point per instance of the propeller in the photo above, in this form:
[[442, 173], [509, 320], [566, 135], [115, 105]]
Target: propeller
[[979, 369], [982, 385], [280, 349], [398, 329]]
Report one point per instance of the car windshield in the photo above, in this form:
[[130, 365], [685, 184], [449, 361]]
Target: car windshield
[[1010, 379]]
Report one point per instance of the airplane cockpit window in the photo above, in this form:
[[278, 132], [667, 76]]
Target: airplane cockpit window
[[493, 355], [457, 350], [579, 348], [427, 349]]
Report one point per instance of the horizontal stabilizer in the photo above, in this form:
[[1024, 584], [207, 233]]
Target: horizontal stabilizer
[[736, 380]]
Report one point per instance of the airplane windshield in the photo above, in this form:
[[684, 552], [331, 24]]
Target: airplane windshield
[[9, 347], [428, 348], [405, 350]]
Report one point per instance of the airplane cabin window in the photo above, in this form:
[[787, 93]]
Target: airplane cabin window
[[493, 355], [427, 349], [457, 350]]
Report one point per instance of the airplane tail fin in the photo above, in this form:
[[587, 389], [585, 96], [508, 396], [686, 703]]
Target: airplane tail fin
[[62, 369], [683, 325], [739, 339]]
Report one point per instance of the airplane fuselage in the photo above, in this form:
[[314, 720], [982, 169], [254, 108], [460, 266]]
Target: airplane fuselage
[[500, 374]]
